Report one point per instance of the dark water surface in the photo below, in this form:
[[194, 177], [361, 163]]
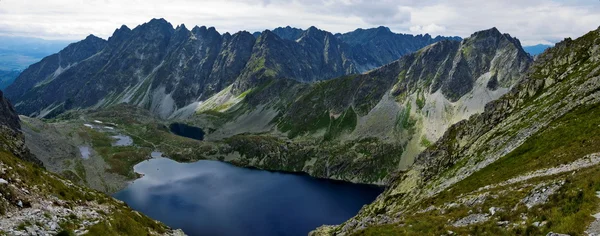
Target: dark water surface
[[187, 131], [215, 198]]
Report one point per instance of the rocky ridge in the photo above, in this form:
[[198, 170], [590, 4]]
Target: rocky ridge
[[533, 150], [172, 70]]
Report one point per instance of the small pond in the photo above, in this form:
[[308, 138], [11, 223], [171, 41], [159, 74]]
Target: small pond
[[122, 141], [187, 131]]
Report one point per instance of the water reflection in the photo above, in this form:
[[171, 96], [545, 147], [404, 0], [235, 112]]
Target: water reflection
[[214, 198]]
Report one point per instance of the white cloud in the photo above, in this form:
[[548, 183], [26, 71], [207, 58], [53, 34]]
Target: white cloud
[[532, 21], [430, 29]]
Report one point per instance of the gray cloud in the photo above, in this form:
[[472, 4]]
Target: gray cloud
[[532, 21]]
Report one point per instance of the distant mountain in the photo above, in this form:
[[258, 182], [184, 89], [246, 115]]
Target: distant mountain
[[536, 49], [17, 53], [384, 45], [170, 70], [8, 77]]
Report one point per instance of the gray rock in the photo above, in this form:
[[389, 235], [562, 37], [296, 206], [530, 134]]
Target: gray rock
[[471, 219], [540, 194]]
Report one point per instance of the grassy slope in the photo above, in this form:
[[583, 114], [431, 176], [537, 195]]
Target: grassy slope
[[569, 211]]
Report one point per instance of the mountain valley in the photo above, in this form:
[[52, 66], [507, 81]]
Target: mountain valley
[[468, 136]]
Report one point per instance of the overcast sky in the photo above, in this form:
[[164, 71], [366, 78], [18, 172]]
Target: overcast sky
[[532, 21]]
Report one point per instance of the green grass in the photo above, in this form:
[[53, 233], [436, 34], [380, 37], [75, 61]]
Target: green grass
[[566, 139], [126, 222], [568, 211]]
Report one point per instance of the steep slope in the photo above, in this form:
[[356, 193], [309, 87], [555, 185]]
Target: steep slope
[[170, 71], [35, 202], [527, 165], [361, 127]]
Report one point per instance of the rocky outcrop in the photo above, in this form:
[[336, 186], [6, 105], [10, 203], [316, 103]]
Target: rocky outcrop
[[10, 129]]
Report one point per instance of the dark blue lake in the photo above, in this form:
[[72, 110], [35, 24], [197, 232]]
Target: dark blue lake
[[187, 131], [215, 198]]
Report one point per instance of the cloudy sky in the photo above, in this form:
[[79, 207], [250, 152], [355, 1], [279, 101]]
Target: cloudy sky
[[532, 21]]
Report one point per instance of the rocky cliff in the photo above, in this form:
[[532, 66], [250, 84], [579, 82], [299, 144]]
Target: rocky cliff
[[526, 165], [13, 140]]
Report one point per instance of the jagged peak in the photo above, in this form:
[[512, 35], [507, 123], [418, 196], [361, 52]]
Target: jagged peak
[[314, 32], [199, 30], [493, 33], [288, 28], [181, 27], [268, 34], [486, 33], [313, 29], [212, 30], [121, 32], [384, 29], [93, 37], [123, 28], [242, 33], [159, 23]]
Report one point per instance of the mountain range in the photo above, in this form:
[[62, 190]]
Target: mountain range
[[165, 70]]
